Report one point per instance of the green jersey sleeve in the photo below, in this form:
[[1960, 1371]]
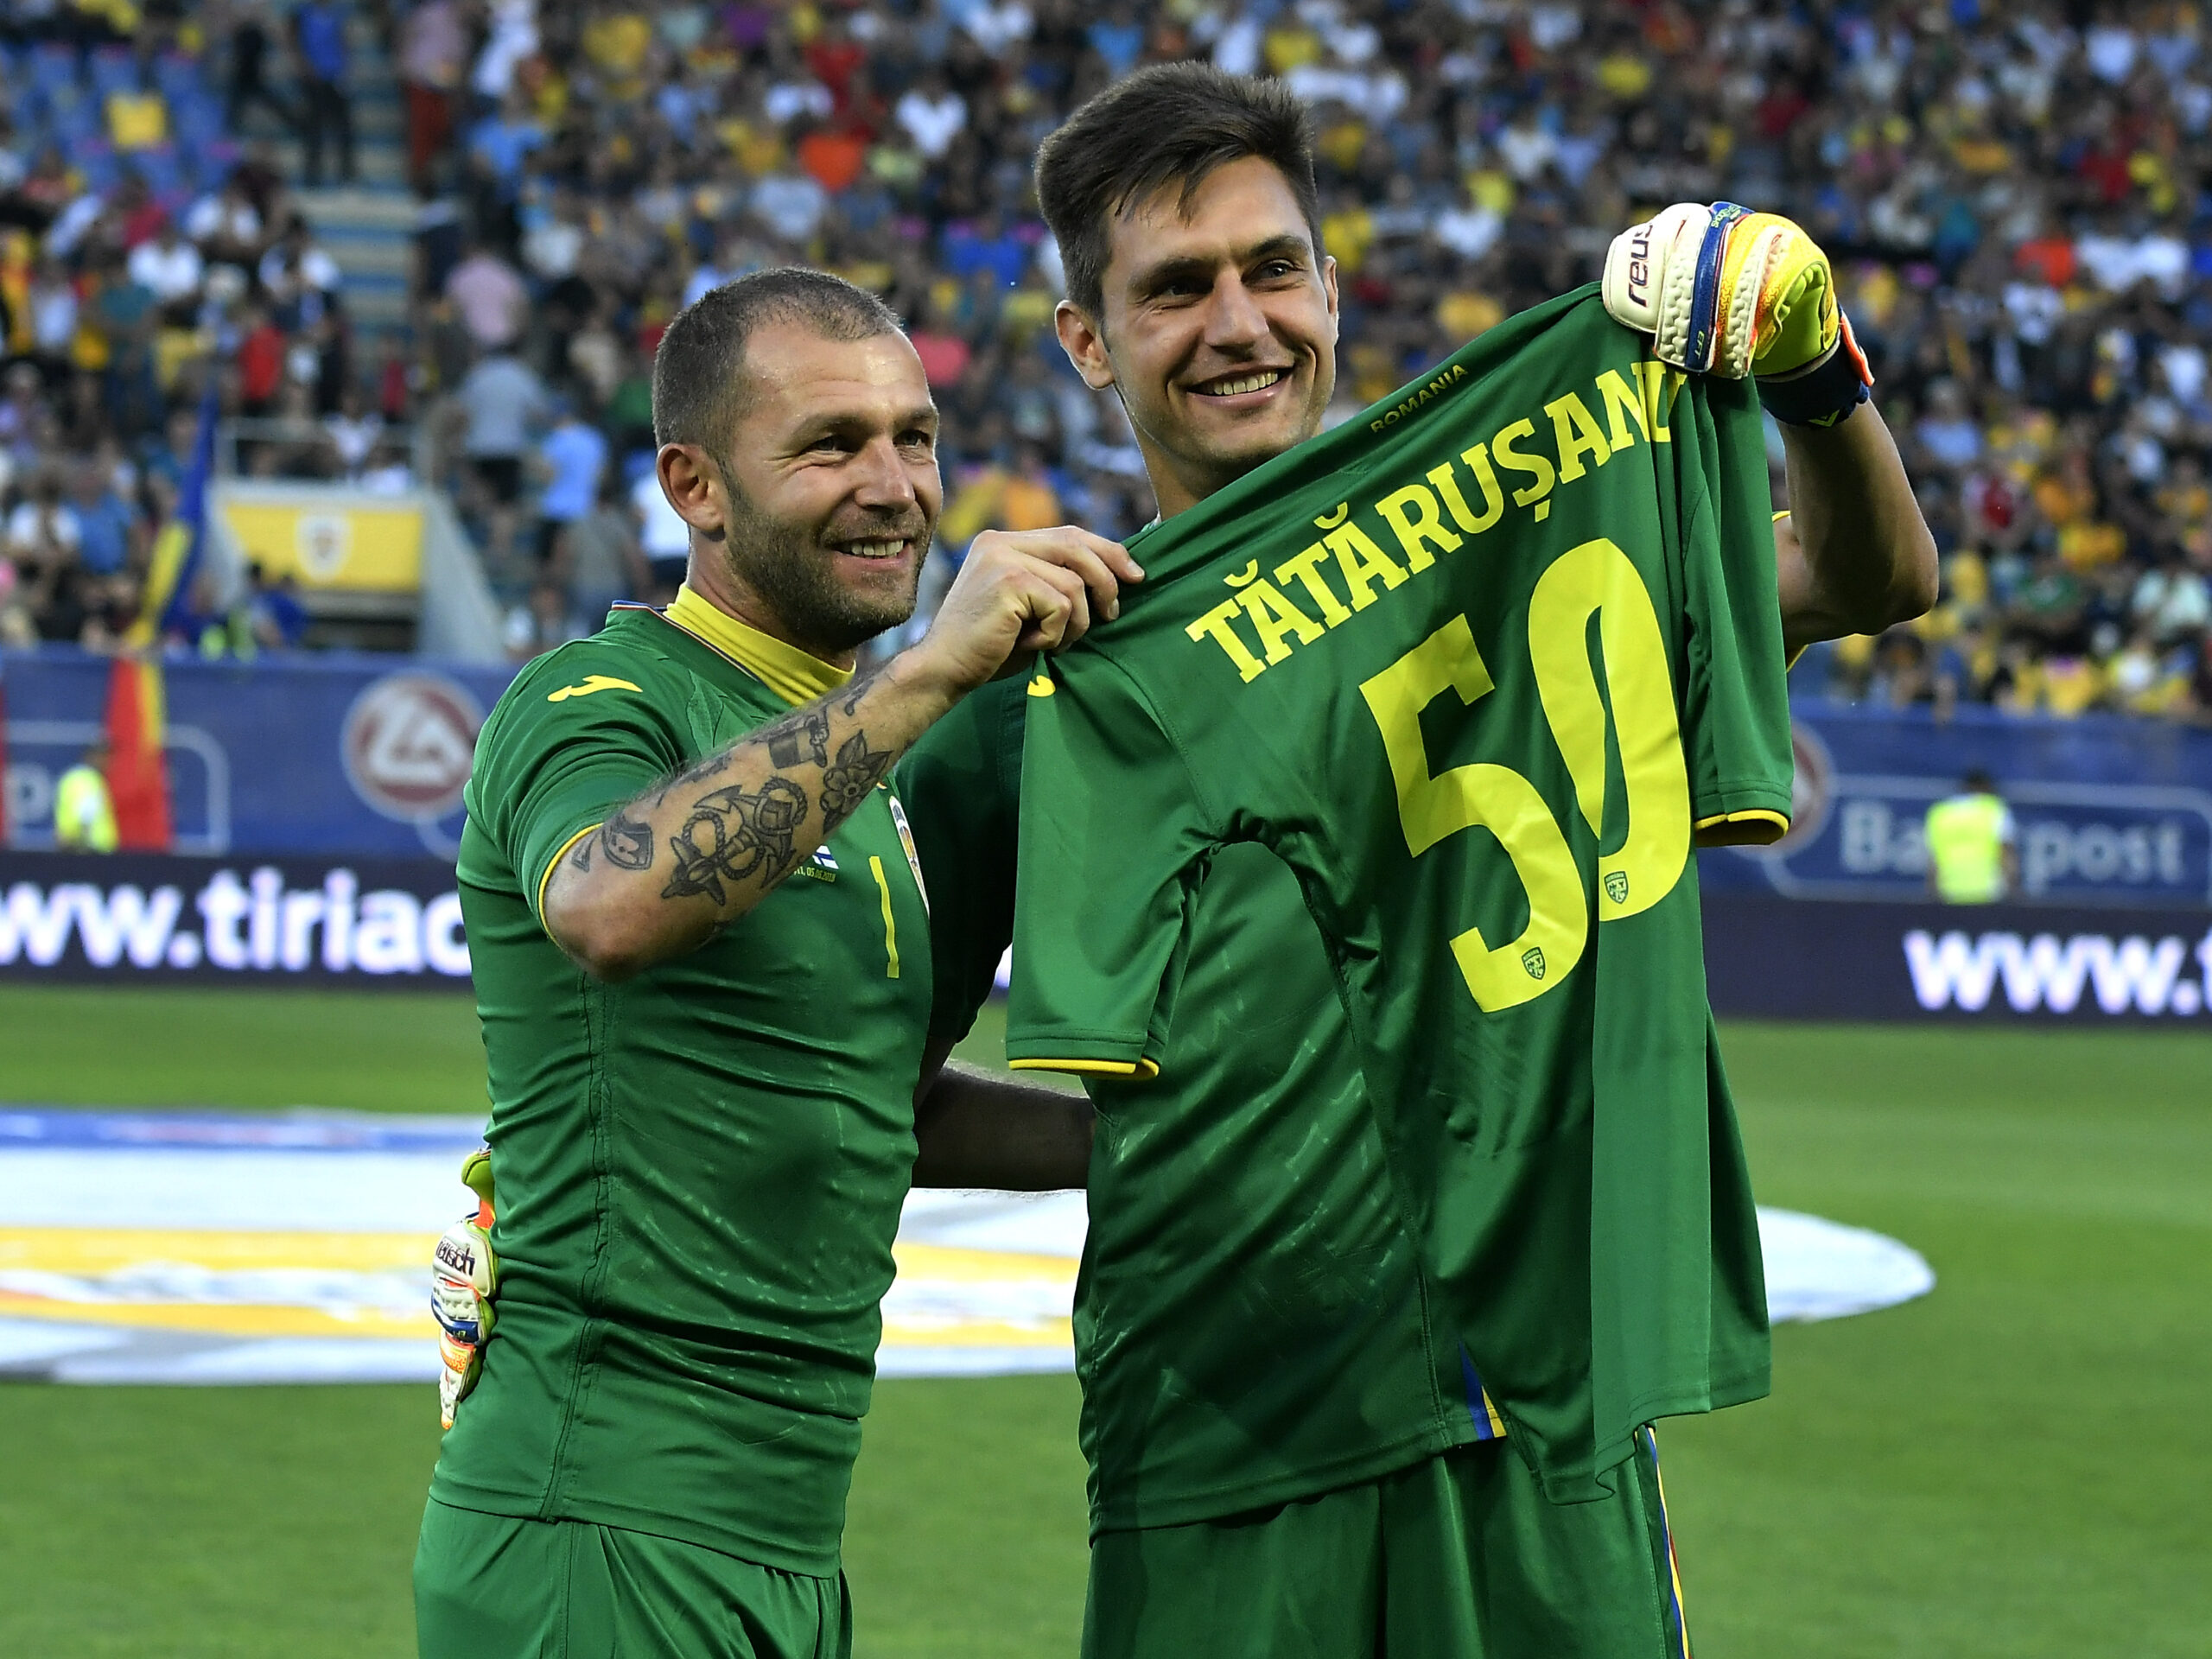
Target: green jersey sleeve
[[961, 786], [1104, 923], [1735, 724], [574, 740]]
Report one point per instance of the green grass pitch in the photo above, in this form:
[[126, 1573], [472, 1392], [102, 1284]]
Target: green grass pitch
[[2013, 1468]]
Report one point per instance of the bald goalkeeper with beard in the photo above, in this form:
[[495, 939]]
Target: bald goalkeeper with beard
[[702, 959]]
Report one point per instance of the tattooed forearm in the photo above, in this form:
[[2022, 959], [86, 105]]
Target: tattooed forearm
[[809, 727], [715, 838], [628, 842], [732, 835], [846, 781]]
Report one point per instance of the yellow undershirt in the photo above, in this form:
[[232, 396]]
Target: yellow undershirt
[[791, 673]]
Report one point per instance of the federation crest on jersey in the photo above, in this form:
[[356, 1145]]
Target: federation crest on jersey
[[1532, 960], [1615, 888]]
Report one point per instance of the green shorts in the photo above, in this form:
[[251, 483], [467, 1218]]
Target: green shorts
[[494, 1586], [1460, 1557]]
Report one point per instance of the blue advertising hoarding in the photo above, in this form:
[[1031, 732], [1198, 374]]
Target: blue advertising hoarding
[[2108, 810], [353, 756]]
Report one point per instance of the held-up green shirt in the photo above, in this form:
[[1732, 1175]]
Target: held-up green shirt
[[1479, 665], [1251, 1327], [700, 1169]]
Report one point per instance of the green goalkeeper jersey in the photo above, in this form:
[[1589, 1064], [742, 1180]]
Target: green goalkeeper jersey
[[1251, 1325], [700, 1169], [1479, 665]]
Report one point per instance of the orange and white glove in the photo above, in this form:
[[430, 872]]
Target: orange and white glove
[[1723, 291], [464, 1274]]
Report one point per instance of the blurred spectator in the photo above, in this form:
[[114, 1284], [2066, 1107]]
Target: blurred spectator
[[278, 620], [662, 534], [502, 402], [489, 297], [1973, 853], [572, 456], [433, 52], [249, 82], [326, 110], [84, 812], [597, 559], [107, 530]]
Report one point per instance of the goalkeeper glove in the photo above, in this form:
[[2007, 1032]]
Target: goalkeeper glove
[[464, 1273], [1724, 290]]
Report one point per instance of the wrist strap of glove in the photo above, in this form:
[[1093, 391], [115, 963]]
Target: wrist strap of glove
[[1826, 393]]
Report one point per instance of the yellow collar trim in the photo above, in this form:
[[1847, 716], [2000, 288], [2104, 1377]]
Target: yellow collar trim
[[791, 673]]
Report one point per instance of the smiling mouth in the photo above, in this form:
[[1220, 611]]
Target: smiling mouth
[[880, 549], [1236, 385]]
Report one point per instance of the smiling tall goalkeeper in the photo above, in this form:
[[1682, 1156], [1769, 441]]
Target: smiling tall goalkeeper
[[702, 959]]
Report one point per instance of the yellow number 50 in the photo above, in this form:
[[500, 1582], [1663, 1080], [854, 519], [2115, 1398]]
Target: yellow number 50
[[1597, 578]]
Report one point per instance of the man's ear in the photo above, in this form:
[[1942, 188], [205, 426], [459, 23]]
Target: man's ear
[[687, 478], [1085, 344], [1329, 283]]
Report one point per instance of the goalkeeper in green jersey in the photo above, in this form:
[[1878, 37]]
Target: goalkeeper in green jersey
[[1288, 1453], [702, 959]]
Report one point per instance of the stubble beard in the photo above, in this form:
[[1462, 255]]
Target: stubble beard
[[788, 567]]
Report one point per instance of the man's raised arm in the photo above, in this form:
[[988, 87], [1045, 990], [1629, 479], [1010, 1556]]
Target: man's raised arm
[[1855, 556], [1722, 290]]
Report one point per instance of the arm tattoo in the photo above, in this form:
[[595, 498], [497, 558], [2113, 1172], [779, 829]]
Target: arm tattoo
[[628, 842], [697, 772], [810, 725], [857, 690], [846, 783], [735, 836]]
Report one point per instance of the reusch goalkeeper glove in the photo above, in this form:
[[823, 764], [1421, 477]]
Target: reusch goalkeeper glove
[[1724, 290], [464, 1274]]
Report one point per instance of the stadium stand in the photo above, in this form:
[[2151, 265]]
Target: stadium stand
[[2015, 196]]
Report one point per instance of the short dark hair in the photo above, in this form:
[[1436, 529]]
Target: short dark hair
[[699, 369], [1167, 123], [1979, 782]]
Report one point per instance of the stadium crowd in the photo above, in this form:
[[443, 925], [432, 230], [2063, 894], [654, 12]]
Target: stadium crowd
[[2017, 197]]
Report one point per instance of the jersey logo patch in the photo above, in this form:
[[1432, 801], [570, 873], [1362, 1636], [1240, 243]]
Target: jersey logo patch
[[1616, 886], [1533, 960], [592, 682], [1042, 686], [822, 867]]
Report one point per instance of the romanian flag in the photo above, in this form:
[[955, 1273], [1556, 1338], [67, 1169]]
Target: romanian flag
[[137, 772]]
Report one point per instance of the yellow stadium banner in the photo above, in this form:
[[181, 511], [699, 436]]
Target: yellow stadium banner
[[375, 550]]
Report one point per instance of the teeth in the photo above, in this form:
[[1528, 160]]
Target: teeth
[[1249, 383], [874, 549]]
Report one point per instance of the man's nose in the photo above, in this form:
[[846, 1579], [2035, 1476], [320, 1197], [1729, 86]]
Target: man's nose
[[884, 481], [1234, 319]]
